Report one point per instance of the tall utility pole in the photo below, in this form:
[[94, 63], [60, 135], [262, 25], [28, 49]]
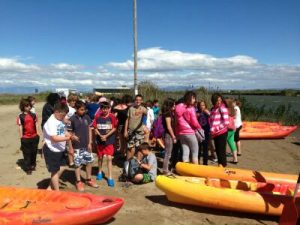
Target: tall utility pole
[[135, 48]]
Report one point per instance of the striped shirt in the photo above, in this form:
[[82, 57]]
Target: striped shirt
[[219, 120]]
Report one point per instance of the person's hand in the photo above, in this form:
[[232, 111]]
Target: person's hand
[[146, 130], [68, 135], [75, 138], [103, 137], [90, 147], [174, 140], [207, 112], [125, 134]]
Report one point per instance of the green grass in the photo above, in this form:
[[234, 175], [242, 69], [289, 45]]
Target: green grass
[[250, 111], [12, 99]]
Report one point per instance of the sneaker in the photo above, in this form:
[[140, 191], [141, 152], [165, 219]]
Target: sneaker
[[111, 182], [99, 176], [92, 183], [80, 186]]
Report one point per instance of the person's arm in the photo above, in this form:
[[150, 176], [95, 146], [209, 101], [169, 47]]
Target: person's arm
[[90, 139], [207, 112], [146, 166], [126, 128], [57, 138], [225, 115], [20, 131], [20, 128], [170, 129], [109, 133], [193, 119]]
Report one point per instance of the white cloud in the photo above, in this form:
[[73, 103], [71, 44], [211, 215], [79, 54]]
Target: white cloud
[[161, 60], [12, 64], [66, 66], [163, 67]]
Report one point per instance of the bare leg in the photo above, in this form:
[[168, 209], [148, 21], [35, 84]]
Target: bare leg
[[122, 144], [109, 166], [195, 161], [100, 162], [77, 173], [234, 154], [88, 169], [55, 178], [138, 178], [238, 145]]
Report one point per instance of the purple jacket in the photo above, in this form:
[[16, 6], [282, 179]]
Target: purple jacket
[[186, 120]]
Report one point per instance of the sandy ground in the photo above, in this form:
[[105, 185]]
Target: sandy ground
[[146, 204]]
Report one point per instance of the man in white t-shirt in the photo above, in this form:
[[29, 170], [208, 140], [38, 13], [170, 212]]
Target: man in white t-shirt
[[55, 136]]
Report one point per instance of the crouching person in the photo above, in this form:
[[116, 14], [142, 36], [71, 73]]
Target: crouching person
[[148, 165]]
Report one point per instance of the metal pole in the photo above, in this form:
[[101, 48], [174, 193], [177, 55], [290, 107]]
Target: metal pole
[[135, 47]]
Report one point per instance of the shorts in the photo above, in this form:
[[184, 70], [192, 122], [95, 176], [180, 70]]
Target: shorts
[[146, 178], [105, 150], [54, 160], [135, 140], [237, 134], [82, 156]]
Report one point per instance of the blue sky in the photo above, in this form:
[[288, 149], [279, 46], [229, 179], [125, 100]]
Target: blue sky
[[231, 44]]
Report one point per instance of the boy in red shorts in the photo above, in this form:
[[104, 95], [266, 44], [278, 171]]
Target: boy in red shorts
[[105, 124]]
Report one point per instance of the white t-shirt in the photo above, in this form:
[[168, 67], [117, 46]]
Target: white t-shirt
[[54, 127], [238, 117], [150, 118], [71, 112]]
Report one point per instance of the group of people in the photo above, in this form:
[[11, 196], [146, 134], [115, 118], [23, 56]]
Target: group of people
[[129, 127]]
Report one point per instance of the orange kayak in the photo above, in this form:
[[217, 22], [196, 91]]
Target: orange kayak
[[20, 206], [188, 169], [241, 196], [265, 130]]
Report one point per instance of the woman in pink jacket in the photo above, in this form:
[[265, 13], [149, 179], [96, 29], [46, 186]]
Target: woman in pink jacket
[[186, 124], [219, 121]]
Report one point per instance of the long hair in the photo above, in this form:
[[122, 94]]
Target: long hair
[[214, 98], [53, 98], [187, 98], [199, 105], [167, 106], [230, 106]]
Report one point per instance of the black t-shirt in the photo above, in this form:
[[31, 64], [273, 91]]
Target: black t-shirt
[[121, 115], [164, 116], [80, 126]]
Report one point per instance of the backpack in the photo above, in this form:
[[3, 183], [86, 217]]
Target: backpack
[[131, 168], [231, 125], [158, 129]]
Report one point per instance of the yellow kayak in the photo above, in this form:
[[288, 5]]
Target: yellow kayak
[[251, 197], [188, 169]]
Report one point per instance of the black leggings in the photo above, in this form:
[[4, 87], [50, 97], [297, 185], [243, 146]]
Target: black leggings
[[29, 148], [220, 145], [237, 134]]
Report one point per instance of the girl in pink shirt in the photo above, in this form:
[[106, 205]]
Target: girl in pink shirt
[[219, 121], [186, 124]]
